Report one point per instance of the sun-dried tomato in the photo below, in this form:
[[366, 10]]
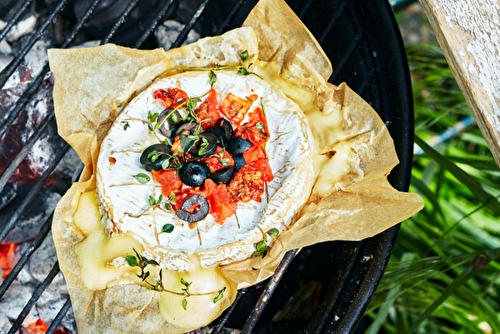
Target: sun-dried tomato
[[235, 108], [219, 160], [207, 112], [247, 185], [172, 97]]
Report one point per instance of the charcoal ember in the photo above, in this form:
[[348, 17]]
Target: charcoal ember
[[42, 261], [4, 323], [108, 13], [7, 195], [168, 31], [34, 215], [15, 299], [51, 302]]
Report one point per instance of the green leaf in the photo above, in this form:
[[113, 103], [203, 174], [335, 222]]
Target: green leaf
[[152, 262], [264, 254], [157, 125], [179, 100], [183, 282], [174, 118], [260, 246], [188, 141], [142, 178], [132, 261], [184, 303], [152, 200], [125, 125], [259, 125], [212, 78], [165, 164], [171, 198], [256, 254], [168, 206], [244, 55], [167, 228], [204, 146], [219, 296], [274, 232], [146, 275], [225, 162], [243, 71]]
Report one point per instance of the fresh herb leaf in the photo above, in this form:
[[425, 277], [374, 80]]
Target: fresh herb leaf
[[153, 156], [171, 198], [264, 254], [204, 146], [256, 254], [260, 246], [184, 303], [259, 125], [151, 262], [225, 162], [274, 232], [146, 275], [152, 200], [132, 261], [244, 55], [179, 100], [167, 228], [165, 164], [174, 118], [125, 125], [142, 178], [168, 206], [243, 71], [250, 65], [207, 120], [212, 78], [219, 296], [188, 141], [152, 117], [160, 198], [240, 194], [186, 284]]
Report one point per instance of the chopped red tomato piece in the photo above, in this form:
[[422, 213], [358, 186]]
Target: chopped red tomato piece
[[262, 165], [255, 129], [172, 97], [235, 108], [219, 160], [207, 112], [169, 181], [247, 185], [254, 153], [222, 203], [256, 136]]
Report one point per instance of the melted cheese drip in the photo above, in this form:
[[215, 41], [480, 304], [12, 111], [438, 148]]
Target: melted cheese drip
[[96, 254]]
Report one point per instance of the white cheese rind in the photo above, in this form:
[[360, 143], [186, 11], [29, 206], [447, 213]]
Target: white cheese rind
[[120, 195]]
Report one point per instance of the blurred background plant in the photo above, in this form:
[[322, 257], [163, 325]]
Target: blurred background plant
[[439, 279]]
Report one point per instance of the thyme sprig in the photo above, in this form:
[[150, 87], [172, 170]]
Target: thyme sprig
[[261, 247], [157, 283]]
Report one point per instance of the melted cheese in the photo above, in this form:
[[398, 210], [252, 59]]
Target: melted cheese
[[120, 196], [101, 262]]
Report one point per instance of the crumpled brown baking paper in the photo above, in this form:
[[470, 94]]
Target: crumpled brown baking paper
[[93, 85]]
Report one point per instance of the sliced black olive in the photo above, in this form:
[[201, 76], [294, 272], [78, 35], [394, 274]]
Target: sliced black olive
[[239, 145], [226, 125], [205, 147], [155, 159], [239, 161], [223, 176], [197, 216], [222, 141], [184, 126], [171, 121], [194, 173]]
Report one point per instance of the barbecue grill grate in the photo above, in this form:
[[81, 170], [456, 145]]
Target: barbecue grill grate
[[363, 44]]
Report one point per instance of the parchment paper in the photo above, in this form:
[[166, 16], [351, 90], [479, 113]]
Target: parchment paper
[[93, 85]]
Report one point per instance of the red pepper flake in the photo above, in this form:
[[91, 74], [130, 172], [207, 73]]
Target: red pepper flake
[[112, 160]]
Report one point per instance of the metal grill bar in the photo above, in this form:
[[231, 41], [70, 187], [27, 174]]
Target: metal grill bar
[[268, 291], [120, 21], [44, 230], [33, 192], [230, 17], [34, 298], [347, 54], [183, 35], [59, 317], [14, 19], [163, 10], [305, 8], [14, 112], [338, 12], [7, 72], [221, 321]]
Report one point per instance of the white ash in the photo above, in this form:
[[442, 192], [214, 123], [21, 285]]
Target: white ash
[[43, 259], [167, 33], [21, 28], [15, 299], [4, 323]]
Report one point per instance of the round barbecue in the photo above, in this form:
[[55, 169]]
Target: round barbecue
[[363, 43]]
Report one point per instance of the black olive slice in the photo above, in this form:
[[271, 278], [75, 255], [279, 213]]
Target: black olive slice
[[226, 125], [223, 176], [239, 161], [197, 216], [186, 126], [239, 145], [155, 159], [171, 121], [222, 141], [210, 142], [194, 173]]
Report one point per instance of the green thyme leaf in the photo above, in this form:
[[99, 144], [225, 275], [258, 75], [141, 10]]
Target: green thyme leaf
[[243, 71], [188, 141], [264, 254], [160, 198], [256, 254], [167, 228], [260, 246], [132, 261], [203, 147], [152, 200], [174, 118], [225, 162], [186, 284], [171, 198], [207, 120], [156, 280], [259, 125], [142, 178], [179, 100], [250, 65], [168, 206], [244, 55], [240, 194], [274, 232], [184, 303], [146, 275], [125, 125], [165, 164], [157, 125], [219, 296], [152, 262], [212, 78]]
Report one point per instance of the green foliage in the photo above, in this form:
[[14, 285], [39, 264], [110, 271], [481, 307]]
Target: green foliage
[[433, 283]]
